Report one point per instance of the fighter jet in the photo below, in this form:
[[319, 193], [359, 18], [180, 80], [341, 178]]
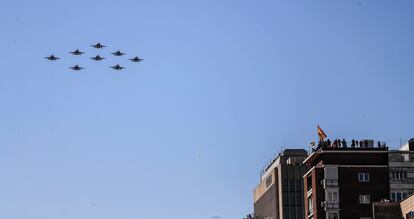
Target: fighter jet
[[52, 58], [97, 58], [98, 46], [136, 59], [118, 53], [117, 67], [77, 52], [76, 68]]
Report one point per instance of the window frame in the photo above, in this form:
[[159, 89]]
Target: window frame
[[332, 213], [364, 199], [363, 177], [332, 196], [399, 175], [397, 196]]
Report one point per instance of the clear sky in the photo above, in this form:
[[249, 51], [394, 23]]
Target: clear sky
[[184, 134]]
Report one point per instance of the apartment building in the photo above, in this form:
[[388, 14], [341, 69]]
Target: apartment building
[[279, 194], [401, 171], [343, 182]]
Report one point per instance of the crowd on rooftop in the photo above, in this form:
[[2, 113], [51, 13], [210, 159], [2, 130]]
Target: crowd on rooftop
[[338, 143]]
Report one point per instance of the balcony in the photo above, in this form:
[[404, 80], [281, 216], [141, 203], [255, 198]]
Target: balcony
[[329, 183], [330, 206]]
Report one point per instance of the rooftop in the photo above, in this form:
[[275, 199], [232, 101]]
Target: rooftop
[[315, 154], [282, 158]]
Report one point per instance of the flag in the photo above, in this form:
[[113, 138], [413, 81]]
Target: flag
[[321, 134]]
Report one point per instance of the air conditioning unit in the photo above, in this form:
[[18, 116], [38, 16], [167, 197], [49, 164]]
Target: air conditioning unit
[[323, 204]]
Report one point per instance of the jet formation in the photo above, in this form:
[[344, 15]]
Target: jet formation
[[96, 58]]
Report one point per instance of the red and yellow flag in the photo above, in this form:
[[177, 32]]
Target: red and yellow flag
[[321, 134]]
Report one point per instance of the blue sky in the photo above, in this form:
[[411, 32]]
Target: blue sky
[[184, 134]]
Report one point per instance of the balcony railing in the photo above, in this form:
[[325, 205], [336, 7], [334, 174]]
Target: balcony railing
[[330, 206], [329, 183]]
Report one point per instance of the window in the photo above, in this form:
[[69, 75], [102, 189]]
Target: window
[[309, 182], [409, 215], [333, 215], [331, 172], [332, 197], [398, 196], [269, 180], [364, 199], [399, 175], [310, 205], [363, 177]]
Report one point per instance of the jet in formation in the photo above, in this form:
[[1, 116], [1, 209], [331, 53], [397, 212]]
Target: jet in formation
[[76, 68], [52, 58], [77, 52], [97, 58], [98, 46], [117, 67], [136, 59], [118, 53]]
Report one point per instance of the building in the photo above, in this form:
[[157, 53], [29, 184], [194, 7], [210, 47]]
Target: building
[[343, 182], [279, 194], [401, 172], [407, 207], [386, 210]]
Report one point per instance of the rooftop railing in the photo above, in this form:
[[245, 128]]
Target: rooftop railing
[[350, 145]]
